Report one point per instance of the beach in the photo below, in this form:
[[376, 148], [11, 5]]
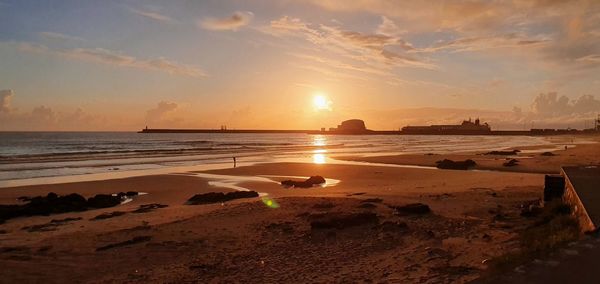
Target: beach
[[474, 217]]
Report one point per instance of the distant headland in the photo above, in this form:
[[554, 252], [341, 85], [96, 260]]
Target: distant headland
[[358, 127]]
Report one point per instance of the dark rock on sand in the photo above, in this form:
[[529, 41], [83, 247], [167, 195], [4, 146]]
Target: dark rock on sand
[[456, 165], [44, 205], [127, 194], [310, 182], [503, 153], [511, 163], [108, 215], [104, 201], [144, 208], [218, 197], [55, 204], [51, 226], [344, 220], [412, 209], [139, 239], [549, 154]]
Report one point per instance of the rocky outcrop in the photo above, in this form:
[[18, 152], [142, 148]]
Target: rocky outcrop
[[219, 197], [456, 165], [511, 163], [53, 203], [310, 182]]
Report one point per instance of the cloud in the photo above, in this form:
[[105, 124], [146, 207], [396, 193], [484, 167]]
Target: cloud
[[388, 27], [160, 113], [6, 100], [378, 50], [152, 15], [231, 23], [105, 56], [510, 40], [551, 104], [59, 36]]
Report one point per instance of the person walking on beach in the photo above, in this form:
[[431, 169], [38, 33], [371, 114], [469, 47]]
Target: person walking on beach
[[234, 162]]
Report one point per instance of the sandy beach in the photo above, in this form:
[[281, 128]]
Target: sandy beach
[[475, 217]]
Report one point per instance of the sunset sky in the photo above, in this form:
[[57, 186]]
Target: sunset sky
[[122, 65]]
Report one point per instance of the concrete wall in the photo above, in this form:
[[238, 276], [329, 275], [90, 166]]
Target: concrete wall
[[570, 197]]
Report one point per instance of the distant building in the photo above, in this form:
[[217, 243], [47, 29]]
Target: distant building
[[466, 127], [352, 126]]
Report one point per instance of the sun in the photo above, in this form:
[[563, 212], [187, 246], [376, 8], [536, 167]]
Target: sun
[[321, 102]]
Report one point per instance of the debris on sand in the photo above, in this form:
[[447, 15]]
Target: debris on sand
[[503, 153], [511, 163], [138, 239], [548, 154], [219, 197], [455, 165], [412, 209], [344, 220], [310, 182]]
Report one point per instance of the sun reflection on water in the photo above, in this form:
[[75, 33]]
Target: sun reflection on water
[[319, 158], [319, 154]]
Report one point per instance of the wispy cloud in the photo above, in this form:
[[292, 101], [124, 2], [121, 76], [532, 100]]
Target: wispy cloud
[[105, 56], [152, 15], [59, 36], [367, 48], [231, 23]]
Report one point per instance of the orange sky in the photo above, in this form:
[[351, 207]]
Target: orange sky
[[69, 65]]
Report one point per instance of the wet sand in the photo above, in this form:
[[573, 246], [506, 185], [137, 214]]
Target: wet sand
[[475, 217]]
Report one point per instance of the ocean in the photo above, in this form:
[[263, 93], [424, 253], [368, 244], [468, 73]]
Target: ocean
[[37, 155]]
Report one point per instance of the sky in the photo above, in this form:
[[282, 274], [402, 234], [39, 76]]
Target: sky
[[124, 65]]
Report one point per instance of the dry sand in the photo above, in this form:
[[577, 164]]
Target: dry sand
[[475, 217]]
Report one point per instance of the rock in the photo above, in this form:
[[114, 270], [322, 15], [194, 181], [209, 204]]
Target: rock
[[144, 208], [548, 154], [310, 182], [511, 163], [531, 208], [44, 205], [412, 209], [127, 194], [218, 197], [503, 153], [344, 220], [104, 201], [456, 165], [135, 240], [108, 215]]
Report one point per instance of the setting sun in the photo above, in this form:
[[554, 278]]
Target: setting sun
[[321, 102]]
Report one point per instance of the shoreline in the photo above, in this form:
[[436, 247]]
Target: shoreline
[[475, 217]]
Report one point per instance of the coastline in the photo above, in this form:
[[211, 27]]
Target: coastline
[[244, 240]]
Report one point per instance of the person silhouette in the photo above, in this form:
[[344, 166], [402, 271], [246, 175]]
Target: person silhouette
[[234, 162]]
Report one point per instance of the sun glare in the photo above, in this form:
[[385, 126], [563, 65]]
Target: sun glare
[[321, 102]]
